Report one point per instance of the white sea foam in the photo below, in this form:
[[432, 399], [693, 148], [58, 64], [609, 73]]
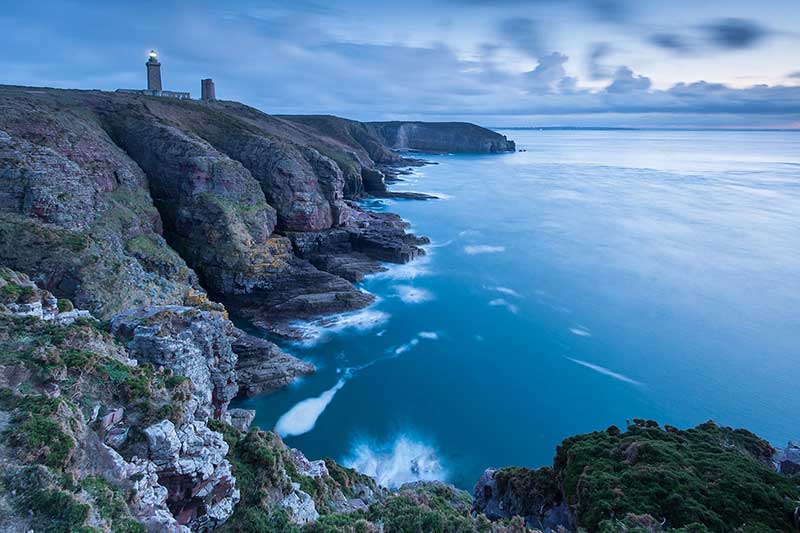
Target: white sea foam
[[411, 270], [431, 335], [502, 302], [402, 461], [580, 331], [363, 320], [606, 372], [413, 295], [437, 244], [304, 415], [403, 348], [510, 292], [474, 249]]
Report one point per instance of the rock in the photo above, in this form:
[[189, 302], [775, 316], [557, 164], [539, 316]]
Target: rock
[[69, 317], [522, 492], [22, 297], [190, 463], [787, 460], [441, 137], [308, 468], [137, 478], [299, 506], [356, 249], [192, 343], [262, 367], [241, 419], [163, 443], [113, 417]]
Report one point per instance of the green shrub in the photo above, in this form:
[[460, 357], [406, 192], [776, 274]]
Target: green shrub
[[56, 511], [10, 292], [65, 305], [42, 440], [708, 475]]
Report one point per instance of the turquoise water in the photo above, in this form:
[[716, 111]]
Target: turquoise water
[[596, 277]]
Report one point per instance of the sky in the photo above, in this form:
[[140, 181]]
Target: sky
[[636, 63]]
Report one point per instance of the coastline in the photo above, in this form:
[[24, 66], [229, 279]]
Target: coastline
[[119, 369]]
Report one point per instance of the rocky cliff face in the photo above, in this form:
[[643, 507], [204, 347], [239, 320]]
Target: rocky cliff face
[[441, 137], [118, 201]]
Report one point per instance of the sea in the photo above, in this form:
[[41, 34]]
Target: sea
[[588, 279]]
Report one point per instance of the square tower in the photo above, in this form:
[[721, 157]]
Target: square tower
[[153, 72], [207, 91]]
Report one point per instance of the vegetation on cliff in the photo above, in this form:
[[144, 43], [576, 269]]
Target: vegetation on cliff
[[707, 478], [51, 378]]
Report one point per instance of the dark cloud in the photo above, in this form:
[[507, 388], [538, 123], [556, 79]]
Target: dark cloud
[[524, 34], [735, 33], [607, 10], [669, 41], [795, 75]]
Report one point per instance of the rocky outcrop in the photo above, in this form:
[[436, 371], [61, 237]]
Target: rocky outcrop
[[441, 137], [787, 460], [21, 297], [174, 471], [190, 463], [192, 343], [530, 494], [284, 482], [359, 247], [262, 367]]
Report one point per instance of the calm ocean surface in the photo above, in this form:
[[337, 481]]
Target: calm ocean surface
[[596, 277]]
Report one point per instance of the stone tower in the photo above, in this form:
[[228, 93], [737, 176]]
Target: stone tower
[[207, 91], [153, 72]]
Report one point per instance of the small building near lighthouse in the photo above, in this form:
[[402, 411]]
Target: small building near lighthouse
[[154, 87]]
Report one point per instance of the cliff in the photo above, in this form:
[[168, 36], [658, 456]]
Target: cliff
[[117, 201], [379, 140], [441, 137]]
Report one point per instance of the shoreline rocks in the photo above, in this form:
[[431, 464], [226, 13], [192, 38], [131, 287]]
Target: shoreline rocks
[[262, 367]]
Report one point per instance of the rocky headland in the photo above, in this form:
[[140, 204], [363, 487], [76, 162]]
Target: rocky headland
[[131, 227]]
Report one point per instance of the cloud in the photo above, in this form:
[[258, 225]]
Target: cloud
[[625, 81], [549, 74], [597, 69], [735, 33], [795, 75], [524, 34], [669, 41], [605, 10]]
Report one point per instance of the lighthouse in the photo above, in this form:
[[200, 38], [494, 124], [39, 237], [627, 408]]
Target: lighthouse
[[153, 72], [154, 82]]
